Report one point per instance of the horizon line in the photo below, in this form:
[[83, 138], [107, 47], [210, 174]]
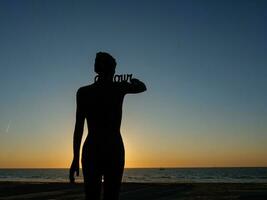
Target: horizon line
[[141, 167]]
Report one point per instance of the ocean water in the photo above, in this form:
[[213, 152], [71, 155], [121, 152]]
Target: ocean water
[[155, 175]]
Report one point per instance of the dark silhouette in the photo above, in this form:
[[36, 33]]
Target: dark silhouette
[[103, 151]]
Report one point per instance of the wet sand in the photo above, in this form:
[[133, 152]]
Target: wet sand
[[137, 191]]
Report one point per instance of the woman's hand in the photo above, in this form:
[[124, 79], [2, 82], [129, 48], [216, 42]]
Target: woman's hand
[[75, 167]]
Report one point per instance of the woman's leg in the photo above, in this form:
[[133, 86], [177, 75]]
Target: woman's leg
[[112, 184], [113, 175], [92, 178], [92, 185]]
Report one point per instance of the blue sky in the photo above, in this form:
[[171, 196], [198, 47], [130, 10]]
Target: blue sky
[[204, 64]]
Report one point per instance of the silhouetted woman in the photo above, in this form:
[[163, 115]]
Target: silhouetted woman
[[103, 151]]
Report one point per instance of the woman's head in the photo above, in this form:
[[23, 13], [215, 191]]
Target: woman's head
[[105, 64]]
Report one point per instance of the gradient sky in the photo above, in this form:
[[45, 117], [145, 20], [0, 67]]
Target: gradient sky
[[204, 64]]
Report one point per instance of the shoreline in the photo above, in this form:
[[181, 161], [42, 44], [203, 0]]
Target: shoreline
[[130, 191]]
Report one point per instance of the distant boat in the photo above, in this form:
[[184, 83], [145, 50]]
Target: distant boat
[[161, 168]]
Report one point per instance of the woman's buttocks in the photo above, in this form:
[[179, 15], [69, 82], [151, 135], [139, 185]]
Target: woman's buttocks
[[104, 144]]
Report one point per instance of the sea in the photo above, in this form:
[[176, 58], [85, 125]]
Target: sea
[[148, 175]]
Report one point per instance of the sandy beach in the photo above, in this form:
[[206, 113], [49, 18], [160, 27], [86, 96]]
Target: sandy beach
[[136, 191]]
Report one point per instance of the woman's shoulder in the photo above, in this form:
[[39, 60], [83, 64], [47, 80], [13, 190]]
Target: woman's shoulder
[[85, 89]]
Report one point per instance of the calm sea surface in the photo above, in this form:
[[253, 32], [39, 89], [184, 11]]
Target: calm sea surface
[[166, 175]]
